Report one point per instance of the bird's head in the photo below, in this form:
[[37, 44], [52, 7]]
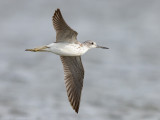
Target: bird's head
[[92, 44]]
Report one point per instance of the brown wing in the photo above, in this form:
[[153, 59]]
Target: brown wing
[[74, 75], [63, 32]]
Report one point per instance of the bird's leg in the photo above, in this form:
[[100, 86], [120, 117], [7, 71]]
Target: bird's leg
[[42, 48]]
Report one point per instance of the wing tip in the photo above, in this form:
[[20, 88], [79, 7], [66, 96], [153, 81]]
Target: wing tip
[[75, 105], [75, 108], [57, 11]]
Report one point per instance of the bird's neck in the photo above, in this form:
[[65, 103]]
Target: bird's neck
[[84, 48]]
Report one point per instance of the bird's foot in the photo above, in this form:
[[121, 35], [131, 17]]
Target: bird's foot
[[37, 49]]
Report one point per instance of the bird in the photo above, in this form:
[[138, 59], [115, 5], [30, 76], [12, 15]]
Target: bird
[[70, 52]]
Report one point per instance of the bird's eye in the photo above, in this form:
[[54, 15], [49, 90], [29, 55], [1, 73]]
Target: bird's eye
[[92, 43]]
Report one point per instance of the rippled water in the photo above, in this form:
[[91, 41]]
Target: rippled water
[[122, 83]]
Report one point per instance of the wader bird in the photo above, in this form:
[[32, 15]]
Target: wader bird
[[70, 51]]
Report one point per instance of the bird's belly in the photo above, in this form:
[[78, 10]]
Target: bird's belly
[[67, 50]]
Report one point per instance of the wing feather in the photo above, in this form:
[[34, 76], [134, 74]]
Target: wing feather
[[63, 32], [74, 75]]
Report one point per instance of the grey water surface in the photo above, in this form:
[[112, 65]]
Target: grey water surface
[[122, 83]]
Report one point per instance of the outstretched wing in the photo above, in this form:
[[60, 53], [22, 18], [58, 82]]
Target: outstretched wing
[[74, 75], [63, 32]]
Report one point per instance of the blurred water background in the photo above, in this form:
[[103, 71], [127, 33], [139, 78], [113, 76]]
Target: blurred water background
[[122, 83]]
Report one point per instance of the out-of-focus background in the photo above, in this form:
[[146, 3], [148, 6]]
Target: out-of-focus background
[[122, 83]]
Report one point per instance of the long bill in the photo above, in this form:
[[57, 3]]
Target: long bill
[[101, 47]]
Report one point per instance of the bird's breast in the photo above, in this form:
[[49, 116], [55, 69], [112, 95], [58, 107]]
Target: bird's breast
[[67, 49]]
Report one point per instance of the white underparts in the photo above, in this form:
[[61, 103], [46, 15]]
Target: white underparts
[[67, 49]]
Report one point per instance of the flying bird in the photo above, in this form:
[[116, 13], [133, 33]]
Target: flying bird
[[70, 51]]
